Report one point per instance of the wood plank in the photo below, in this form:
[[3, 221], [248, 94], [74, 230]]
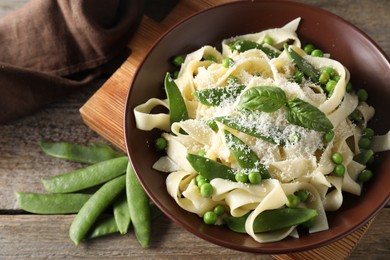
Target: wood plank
[[47, 236]]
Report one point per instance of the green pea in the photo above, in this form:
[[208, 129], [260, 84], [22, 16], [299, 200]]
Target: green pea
[[268, 40], [51, 203], [365, 175], [206, 190], [364, 143], [87, 177], [328, 136], [210, 218], [202, 153], [94, 207], [331, 72], [241, 177], [199, 180], [298, 77], [330, 85], [227, 62], [317, 53], [91, 154], [356, 117], [293, 201], [337, 158], [368, 133], [178, 60], [324, 77], [339, 170], [362, 95], [138, 202], [219, 210], [349, 87], [211, 58], [160, 144], [303, 195], [254, 177], [309, 48]]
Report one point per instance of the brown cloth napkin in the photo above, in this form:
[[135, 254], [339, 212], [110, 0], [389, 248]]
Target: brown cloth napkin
[[50, 47]]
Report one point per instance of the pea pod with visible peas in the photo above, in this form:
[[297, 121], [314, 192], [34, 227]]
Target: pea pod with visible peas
[[138, 202], [272, 220], [51, 203], [210, 169], [80, 153], [87, 177], [245, 157], [94, 207]]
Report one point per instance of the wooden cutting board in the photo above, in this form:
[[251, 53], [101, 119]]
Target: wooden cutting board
[[104, 111]]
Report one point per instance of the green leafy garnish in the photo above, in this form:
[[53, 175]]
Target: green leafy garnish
[[263, 98]]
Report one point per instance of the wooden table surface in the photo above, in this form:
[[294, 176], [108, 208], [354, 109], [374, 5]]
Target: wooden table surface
[[22, 165]]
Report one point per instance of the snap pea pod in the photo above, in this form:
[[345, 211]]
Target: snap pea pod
[[215, 96], [94, 207], [51, 203], [138, 202], [177, 106], [272, 220], [244, 45], [245, 157], [210, 169], [108, 225], [86, 177], [364, 156], [79, 153], [103, 227], [122, 214], [303, 65], [235, 123]]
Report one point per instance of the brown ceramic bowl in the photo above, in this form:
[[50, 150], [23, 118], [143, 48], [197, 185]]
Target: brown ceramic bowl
[[369, 68]]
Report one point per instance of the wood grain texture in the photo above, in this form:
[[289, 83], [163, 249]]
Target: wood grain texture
[[22, 165]]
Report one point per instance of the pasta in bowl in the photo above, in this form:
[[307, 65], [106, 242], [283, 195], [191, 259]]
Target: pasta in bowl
[[262, 138]]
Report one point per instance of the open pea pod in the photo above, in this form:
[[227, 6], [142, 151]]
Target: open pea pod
[[272, 220], [244, 45], [177, 107], [215, 96], [245, 157], [303, 65], [210, 169]]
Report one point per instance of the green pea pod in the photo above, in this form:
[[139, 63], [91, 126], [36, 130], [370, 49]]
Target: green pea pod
[[273, 220], [79, 153], [364, 156], [138, 202], [51, 203], [244, 45], [87, 177], [307, 69], [103, 227], [94, 207], [210, 169], [236, 123], [177, 107], [245, 157], [215, 96], [122, 214]]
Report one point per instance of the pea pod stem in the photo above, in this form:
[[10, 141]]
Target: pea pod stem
[[38, 203], [79, 153], [138, 202], [210, 169], [272, 220], [94, 207], [87, 177]]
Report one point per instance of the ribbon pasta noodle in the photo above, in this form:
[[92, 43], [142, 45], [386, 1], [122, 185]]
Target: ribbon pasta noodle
[[293, 152]]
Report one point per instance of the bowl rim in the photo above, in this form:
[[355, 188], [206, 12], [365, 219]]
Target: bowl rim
[[198, 233]]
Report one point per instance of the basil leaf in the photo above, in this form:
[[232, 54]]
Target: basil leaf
[[263, 98], [306, 115], [215, 96]]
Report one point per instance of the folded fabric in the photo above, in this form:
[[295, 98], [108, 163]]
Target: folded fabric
[[50, 47]]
